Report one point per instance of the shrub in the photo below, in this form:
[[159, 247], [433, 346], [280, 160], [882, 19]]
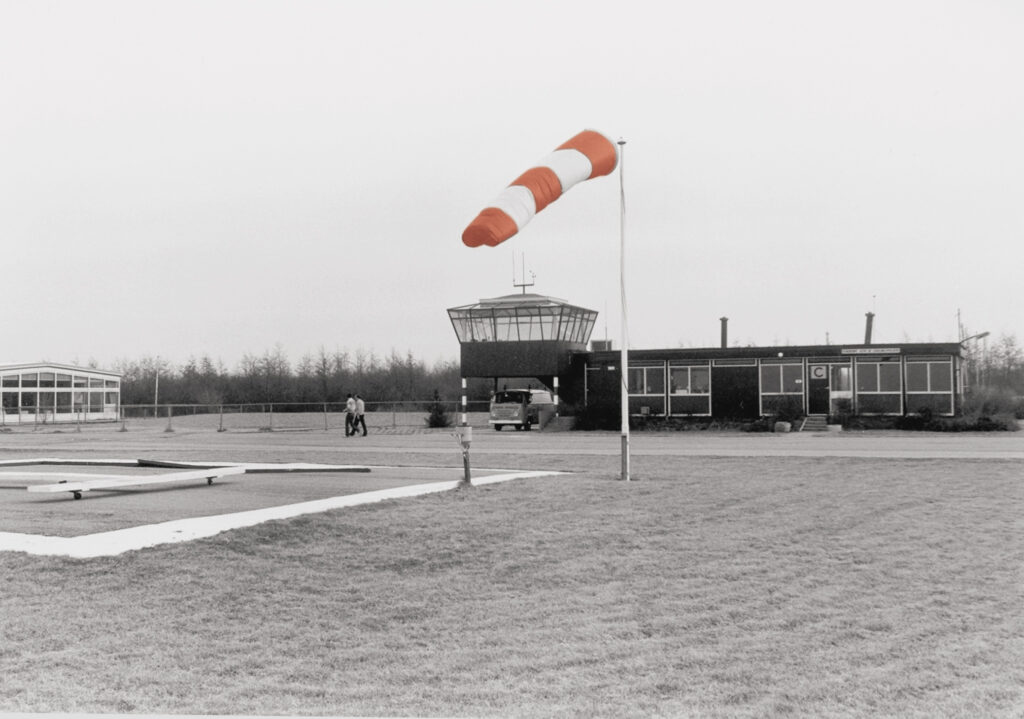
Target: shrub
[[874, 422], [977, 423], [676, 424], [992, 401], [786, 408], [758, 425], [843, 413], [438, 416], [599, 415]]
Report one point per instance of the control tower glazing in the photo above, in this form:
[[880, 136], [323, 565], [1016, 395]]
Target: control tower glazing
[[524, 335]]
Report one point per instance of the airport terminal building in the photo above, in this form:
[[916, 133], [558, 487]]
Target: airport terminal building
[[543, 339], [44, 392]]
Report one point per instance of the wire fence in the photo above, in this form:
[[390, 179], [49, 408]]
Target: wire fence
[[302, 416]]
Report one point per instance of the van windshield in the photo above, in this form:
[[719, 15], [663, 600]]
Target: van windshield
[[510, 397]]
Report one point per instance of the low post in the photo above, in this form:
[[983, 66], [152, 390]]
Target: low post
[[170, 414], [270, 422], [465, 434], [555, 395], [221, 427], [465, 420], [325, 416], [124, 428]]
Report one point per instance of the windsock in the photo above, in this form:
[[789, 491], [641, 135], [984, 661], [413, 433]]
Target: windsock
[[587, 155]]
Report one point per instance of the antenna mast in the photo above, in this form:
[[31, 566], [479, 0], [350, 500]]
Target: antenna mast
[[524, 284]]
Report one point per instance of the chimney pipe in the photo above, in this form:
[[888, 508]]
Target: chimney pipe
[[867, 327], [725, 332]]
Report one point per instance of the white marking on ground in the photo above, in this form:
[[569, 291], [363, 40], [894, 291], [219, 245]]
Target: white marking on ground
[[58, 460], [46, 475], [107, 544]]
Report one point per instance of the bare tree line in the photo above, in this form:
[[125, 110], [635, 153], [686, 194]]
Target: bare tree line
[[998, 366], [271, 377]]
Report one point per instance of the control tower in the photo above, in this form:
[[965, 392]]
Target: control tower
[[521, 335]]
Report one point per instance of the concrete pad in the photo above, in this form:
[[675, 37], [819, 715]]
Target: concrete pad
[[126, 518]]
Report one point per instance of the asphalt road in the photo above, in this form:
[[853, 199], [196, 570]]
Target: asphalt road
[[533, 446]]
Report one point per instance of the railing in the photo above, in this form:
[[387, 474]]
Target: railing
[[297, 416]]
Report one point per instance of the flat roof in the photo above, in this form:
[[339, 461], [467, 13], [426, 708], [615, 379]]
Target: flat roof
[[797, 351], [527, 299], [16, 366]]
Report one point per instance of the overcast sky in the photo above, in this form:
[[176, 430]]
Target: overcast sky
[[217, 178]]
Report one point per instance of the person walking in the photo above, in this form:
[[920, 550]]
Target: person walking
[[360, 416], [350, 416]]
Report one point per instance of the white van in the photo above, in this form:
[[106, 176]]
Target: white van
[[519, 408]]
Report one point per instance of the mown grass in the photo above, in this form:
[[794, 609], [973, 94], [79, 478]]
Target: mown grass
[[712, 587]]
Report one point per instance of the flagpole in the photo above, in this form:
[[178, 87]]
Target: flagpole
[[624, 360]]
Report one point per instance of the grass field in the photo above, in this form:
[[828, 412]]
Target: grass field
[[712, 587]]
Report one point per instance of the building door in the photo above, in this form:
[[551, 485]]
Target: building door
[[840, 389], [817, 390]]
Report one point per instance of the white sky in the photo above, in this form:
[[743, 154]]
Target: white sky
[[190, 178]]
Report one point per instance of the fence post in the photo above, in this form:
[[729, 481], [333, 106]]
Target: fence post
[[124, 428], [170, 413], [221, 428], [394, 423], [325, 416], [270, 424]]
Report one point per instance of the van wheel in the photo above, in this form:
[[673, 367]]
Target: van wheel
[[526, 426], [497, 428]]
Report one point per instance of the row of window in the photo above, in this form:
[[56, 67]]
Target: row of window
[[58, 401], [872, 377], [55, 379], [523, 324]]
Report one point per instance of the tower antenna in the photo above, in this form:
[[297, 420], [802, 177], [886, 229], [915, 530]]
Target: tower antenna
[[524, 284]]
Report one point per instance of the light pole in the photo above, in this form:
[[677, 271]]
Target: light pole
[[156, 390], [971, 355], [624, 350]]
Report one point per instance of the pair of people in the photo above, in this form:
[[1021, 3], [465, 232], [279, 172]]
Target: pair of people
[[355, 410]]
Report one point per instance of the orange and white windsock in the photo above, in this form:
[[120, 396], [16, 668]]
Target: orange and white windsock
[[587, 155]]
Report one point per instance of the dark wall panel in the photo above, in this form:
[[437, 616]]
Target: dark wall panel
[[516, 359], [690, 404], [937, 403], [878, 403], [734, 392]]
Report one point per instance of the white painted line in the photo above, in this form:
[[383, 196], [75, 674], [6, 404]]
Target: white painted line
[[494, 479], [82, 462], [158, 464], [255, 467], [4, 476], [118, 481], [34, 479], [107, 544]]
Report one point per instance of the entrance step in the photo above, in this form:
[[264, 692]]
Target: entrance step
[[815, 423]]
